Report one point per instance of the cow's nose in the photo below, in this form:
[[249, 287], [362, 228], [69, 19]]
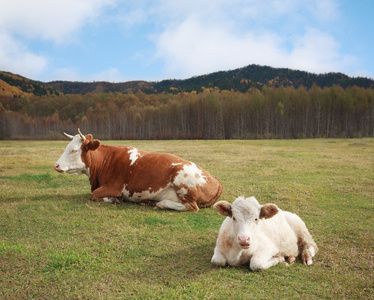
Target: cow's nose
[[244, 240], [57, 167]]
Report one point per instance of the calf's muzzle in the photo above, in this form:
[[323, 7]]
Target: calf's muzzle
[[244, 241]]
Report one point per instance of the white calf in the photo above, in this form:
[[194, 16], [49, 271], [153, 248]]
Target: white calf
[[262, 235]]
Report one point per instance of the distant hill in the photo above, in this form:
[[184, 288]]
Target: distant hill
[[76, 87], [17, 85], [237, 80], [257, 76]]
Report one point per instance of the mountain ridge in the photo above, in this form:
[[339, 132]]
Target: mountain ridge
[[240, 80]]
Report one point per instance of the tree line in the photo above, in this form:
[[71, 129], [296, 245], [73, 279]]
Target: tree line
[[265, 113]]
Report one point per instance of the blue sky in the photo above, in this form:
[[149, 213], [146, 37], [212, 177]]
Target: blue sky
[[123, 40]]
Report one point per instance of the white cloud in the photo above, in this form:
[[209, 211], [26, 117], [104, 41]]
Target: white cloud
[[191, 37], [195, 48], [54, 20], [22, 21], [318, 52], [16, 58], [199, 44]]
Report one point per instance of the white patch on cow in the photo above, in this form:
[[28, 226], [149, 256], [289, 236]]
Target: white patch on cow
[[167, 204], [182, 192], [134, 155], [167, 193], [106, 199], [190, 176], [176, 164], [71, 161]]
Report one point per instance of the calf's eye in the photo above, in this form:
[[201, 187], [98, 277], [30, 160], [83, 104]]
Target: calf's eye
[[234, 218], [74, 151]]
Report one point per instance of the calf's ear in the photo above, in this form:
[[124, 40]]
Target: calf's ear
[[224, 208], [268, 211]]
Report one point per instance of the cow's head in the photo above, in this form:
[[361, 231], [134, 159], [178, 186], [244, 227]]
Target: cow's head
[[71, 160], [245, 214]]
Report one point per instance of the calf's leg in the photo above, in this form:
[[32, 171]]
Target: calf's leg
[[260, 262], [218, 259]]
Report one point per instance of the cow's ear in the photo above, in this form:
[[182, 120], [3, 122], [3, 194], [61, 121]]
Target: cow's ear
[[224, 208], [93, 145], [90, 145], [268, 211]]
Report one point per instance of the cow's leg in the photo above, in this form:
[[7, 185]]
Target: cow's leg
[[105, 194], [168, 204]]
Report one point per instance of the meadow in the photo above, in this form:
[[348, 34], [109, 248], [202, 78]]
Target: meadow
[[57, 244]]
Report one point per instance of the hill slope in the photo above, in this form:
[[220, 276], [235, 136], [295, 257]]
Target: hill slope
[[20, 86], [237, 80]]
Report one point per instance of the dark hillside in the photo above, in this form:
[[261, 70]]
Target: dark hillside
[[236, 80], [257, 76]]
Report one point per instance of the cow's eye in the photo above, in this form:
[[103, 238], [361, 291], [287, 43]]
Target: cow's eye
[[256, 219], [234, 218]]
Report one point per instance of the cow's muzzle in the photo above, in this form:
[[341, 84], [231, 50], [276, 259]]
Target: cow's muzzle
[[57, 168]]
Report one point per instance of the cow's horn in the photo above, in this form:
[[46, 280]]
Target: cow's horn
[[68, 135], [81, 135]]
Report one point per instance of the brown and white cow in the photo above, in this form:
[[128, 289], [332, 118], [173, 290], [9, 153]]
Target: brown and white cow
[[263, 235], [139, 176]]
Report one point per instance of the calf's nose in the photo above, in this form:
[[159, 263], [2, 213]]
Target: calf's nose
[[57, 167], [243, 240]]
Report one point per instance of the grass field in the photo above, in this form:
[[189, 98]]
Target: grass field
[[57, 244]]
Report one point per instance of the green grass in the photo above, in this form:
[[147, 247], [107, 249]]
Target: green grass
[[57, 244]]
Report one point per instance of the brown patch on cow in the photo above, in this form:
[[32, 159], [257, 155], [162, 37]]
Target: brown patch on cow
[[224, 208], [268, 211], [227, 241], [215, 198], [197, 196]]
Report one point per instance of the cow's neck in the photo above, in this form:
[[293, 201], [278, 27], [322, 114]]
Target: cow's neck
[[103, 158]]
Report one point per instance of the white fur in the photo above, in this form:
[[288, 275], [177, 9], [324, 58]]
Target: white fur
[[190, 176], [134, 155], [270, 240], [167, 193], [71, 161]]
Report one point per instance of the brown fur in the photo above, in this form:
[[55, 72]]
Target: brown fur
[[110, 169], [224, 208], [268, 211]]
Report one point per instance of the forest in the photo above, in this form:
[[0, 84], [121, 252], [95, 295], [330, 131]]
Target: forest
[[259, 113]]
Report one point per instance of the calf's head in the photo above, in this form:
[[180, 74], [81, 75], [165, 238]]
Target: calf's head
[[246, 214], [71, 161]]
